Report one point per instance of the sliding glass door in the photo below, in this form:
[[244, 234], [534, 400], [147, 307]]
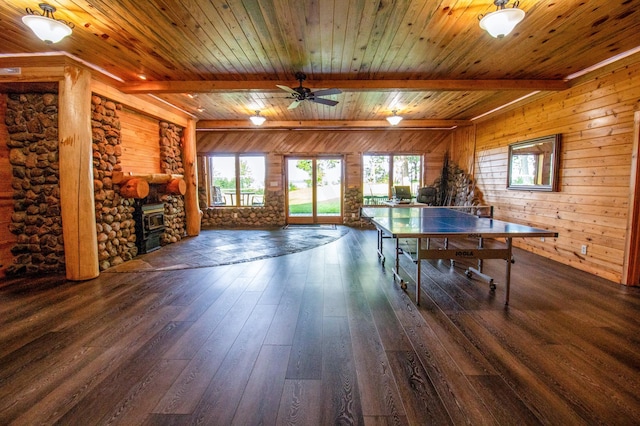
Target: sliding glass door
[[314, 190]]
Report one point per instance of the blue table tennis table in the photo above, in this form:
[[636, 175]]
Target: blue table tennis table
[[465, 225]]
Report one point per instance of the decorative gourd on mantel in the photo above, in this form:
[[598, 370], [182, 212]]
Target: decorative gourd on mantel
[[132, 185]]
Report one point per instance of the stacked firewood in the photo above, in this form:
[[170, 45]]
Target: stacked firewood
[[456, 187]]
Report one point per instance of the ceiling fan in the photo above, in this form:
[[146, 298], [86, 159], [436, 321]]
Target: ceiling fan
[[299, 94]]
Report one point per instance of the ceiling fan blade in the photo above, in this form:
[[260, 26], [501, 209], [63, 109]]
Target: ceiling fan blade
[[287, 89], [327, 92], [294, 104], [324, 101]]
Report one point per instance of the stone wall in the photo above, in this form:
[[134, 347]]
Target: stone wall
[[171, 163], [114, 214], [352, 205], [271, 214], [32, 125]]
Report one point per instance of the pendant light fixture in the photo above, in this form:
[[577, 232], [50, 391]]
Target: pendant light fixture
[[257, 119], [501, 22], [45, 25], [394, 119]]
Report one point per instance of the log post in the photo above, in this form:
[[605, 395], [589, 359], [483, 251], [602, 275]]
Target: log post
[[135, 188], [77, 202], [191, 207]]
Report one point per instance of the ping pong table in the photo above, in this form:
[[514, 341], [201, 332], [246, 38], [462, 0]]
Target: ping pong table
[[465, 225]]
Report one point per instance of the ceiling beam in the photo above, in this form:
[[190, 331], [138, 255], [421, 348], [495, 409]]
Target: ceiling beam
[[352, 85], [205, 125]]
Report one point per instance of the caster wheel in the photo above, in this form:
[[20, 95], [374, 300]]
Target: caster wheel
[[468, 273], [403, 285], [492, 286]]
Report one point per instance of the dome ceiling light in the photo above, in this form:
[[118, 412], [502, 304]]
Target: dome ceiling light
[[45, 25], [394, 119], [257, 119], [501, 22]]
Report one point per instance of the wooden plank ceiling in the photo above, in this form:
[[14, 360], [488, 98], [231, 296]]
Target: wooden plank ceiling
[[428, 59]]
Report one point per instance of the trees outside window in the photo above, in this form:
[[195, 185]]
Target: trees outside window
[[241, 179], [380, 172]]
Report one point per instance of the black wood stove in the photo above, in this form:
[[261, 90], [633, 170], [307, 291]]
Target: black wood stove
[[149, 226]]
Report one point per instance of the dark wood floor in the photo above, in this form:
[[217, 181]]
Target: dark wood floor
[[321, 337]]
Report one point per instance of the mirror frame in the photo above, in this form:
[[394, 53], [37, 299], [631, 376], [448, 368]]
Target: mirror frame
[[554, 162]]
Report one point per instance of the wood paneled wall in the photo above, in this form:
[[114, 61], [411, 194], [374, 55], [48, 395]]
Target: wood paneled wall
[[463, 148], [352, 143], [595, 120], [140, 147], [7, 239]]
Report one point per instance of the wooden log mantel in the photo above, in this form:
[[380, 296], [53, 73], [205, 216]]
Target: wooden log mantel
[[162, 178]]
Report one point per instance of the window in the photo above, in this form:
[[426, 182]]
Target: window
[[381, 172], [236, 180]]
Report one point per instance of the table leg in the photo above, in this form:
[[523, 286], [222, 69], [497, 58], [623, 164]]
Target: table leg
[[418, 269], [508, 272], [380, 239]]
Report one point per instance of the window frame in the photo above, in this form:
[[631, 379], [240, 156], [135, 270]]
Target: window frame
[[390, 177], [237, 198]]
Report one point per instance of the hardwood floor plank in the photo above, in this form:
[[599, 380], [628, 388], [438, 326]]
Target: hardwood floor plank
[[203, 302], [219, 402], [188, 389], [333, 293], [142, 397], [193, 339], [378, 390], [505, 405], [510, 359], [301, 403], [86, 300], [107, 393], [449, 381], [155, 419], [341, 403], [283, 326], [321, 337], [261, 397], [422, 403], [305, 361]]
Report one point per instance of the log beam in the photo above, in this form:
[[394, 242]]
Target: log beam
[[332, 124], [350, 85], [162, 178], [77, 202]]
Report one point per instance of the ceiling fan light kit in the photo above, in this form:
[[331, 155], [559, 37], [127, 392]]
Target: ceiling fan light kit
[[300, 93], [257, 119], [394, 119], [501, 22], [45, 25]]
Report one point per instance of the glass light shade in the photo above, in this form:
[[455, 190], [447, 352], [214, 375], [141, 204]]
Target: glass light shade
[[47, 29], [394, 119], [501, 22], [258, 120]]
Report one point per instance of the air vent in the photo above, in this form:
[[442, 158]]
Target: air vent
[[11, 71]]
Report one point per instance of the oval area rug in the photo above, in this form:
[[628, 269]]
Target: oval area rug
[[215, 247]]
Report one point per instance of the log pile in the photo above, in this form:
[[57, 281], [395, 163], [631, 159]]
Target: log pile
[[456, 187]]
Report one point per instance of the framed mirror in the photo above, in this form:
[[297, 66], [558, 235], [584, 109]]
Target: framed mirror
[[533, 164]]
